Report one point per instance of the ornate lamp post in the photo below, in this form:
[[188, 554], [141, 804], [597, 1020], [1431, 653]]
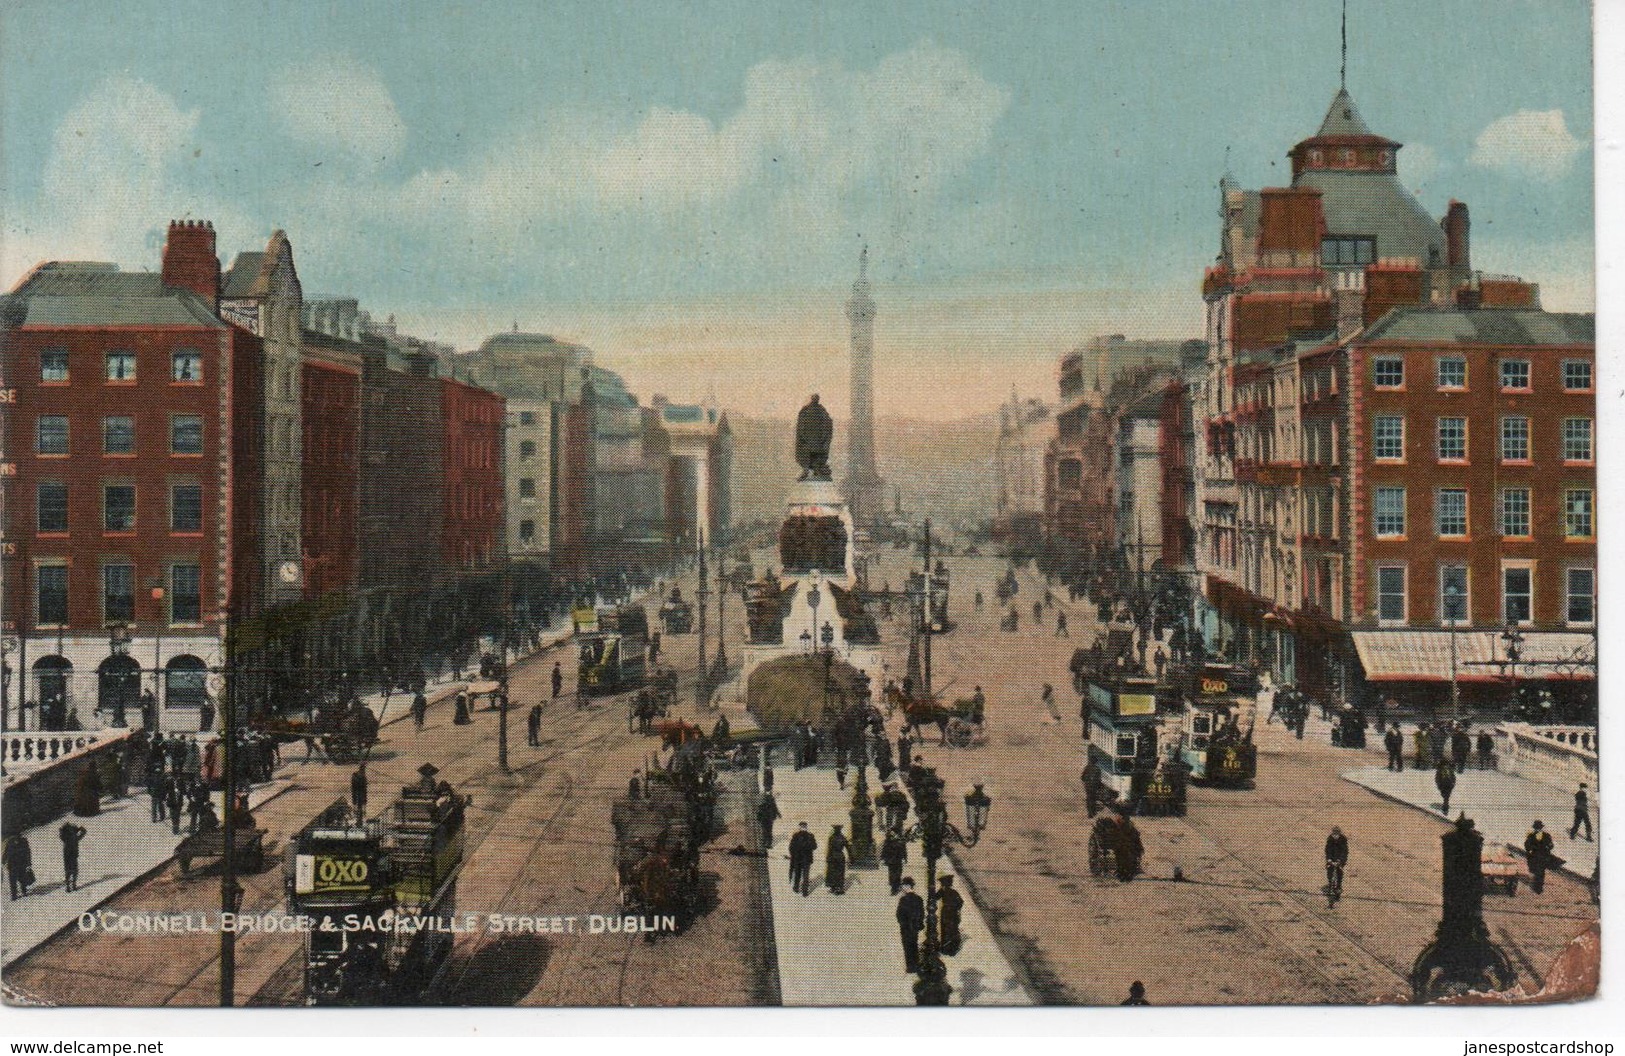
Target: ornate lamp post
[[1512, 639], [827, 637], [1452, 606], [862, 815], [118, 644], [934, 832]]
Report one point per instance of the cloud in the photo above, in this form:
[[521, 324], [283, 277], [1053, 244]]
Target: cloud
[[121, 165], [337, 105], [815, 155], [1418, 165], [1535, 144]]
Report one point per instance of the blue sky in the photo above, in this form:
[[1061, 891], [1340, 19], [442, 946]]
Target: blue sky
[[685, 186]]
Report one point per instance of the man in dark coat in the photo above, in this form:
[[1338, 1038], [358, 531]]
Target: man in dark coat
[[358, 790], [1444, 779], [767, 812], [1582, 814], [950, 904], [1461, 747], [1537, 847], [904, 751], [894, 853], [1394, 741], [18, 858], [1337, 859], [558, 679], [1486, 750], [1093, 782], [155, 790], [835, 861], [70, 834], [172, 802], [802, 846], [533, 727], [420, 709], [910, 922]]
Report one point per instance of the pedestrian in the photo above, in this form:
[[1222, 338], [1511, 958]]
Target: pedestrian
[[1486, 750], [197, 800], [1060, 625], [802, 846], [1582, 814], [1419, 741], [904, 751], [950, 904], [155, 791], [1394, 741], [1159, 660], [894, 853], [420, 709], [205, 715], [910, 922], [634, 790], [1461, 747], [798, 750], [172, 801], [767, 775], [558, 679], [358, 790], [460, 715], [767, 812], [71, 834], [1136, 994], [835, 859], [533, 726], [1093, 782], [18, 858], [1444, 779], [1438, 741], [1537, 848], [1337, 860], [193, 765]]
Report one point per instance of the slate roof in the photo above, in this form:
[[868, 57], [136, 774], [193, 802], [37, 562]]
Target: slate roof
[[240, 280], [1375, 204], [78, 293], [1484, 326], [1343, 118]]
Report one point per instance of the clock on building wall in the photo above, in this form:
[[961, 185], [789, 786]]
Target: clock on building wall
[[289, 571]]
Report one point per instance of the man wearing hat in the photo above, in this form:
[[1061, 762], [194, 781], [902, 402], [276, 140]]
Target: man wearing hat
[[910, 922], [1582, 813], [1537, 847], [802, 846]]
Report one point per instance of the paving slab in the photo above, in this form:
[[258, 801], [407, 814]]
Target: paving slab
[[844, 949], [1502, 807]]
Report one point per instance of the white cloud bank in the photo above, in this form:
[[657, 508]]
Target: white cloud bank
[[338, 106], [1534, 144], [116, 174]]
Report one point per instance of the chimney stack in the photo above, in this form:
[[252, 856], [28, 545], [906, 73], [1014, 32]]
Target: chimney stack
[[190, 262], [1457, 236]]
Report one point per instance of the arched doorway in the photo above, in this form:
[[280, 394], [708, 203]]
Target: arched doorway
[[118, 685], [184, 678], [53, 682]]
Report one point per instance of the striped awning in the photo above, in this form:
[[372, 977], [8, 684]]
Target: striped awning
[[1424, 656]]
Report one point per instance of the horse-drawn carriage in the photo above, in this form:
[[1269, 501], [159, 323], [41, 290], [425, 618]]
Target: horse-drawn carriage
[[658, 834], [959, 724], [1115, 846], [344, 732], [653, 701]]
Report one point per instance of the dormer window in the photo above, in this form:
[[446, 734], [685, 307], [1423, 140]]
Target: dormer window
[[1345, 251]]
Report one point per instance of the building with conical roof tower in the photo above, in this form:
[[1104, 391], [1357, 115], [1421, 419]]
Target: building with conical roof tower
[[866, 492]]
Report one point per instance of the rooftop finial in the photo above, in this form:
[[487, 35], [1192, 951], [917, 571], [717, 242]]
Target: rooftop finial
[[1343, 69]]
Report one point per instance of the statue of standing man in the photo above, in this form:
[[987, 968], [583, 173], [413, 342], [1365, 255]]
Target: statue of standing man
[[814, 429]]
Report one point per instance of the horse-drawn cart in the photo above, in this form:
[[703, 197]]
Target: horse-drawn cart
[[959, 725], [656, 852]]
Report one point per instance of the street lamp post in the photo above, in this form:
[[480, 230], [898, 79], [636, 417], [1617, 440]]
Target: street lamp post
[[1452, 599], [701, 697], [1512, 639], [118, 644], [827, 636], [156, 587], [862, 814], [934, 832]]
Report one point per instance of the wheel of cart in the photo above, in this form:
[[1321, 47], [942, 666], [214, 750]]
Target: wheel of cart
[[962, 733], [1101, 859]]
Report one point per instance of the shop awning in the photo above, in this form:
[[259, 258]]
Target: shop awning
[[1424, 656]]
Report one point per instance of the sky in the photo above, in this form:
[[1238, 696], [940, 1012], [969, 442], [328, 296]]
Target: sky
[[685, 187]]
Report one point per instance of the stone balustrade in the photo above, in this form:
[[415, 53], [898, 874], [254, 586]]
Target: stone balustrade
[[1562, 756], [34, 750]]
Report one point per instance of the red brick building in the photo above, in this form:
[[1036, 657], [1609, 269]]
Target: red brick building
[[331, 471], [471, 495], [127, 497]]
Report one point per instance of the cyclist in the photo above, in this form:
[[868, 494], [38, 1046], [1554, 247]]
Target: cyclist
[[1337, 859]]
